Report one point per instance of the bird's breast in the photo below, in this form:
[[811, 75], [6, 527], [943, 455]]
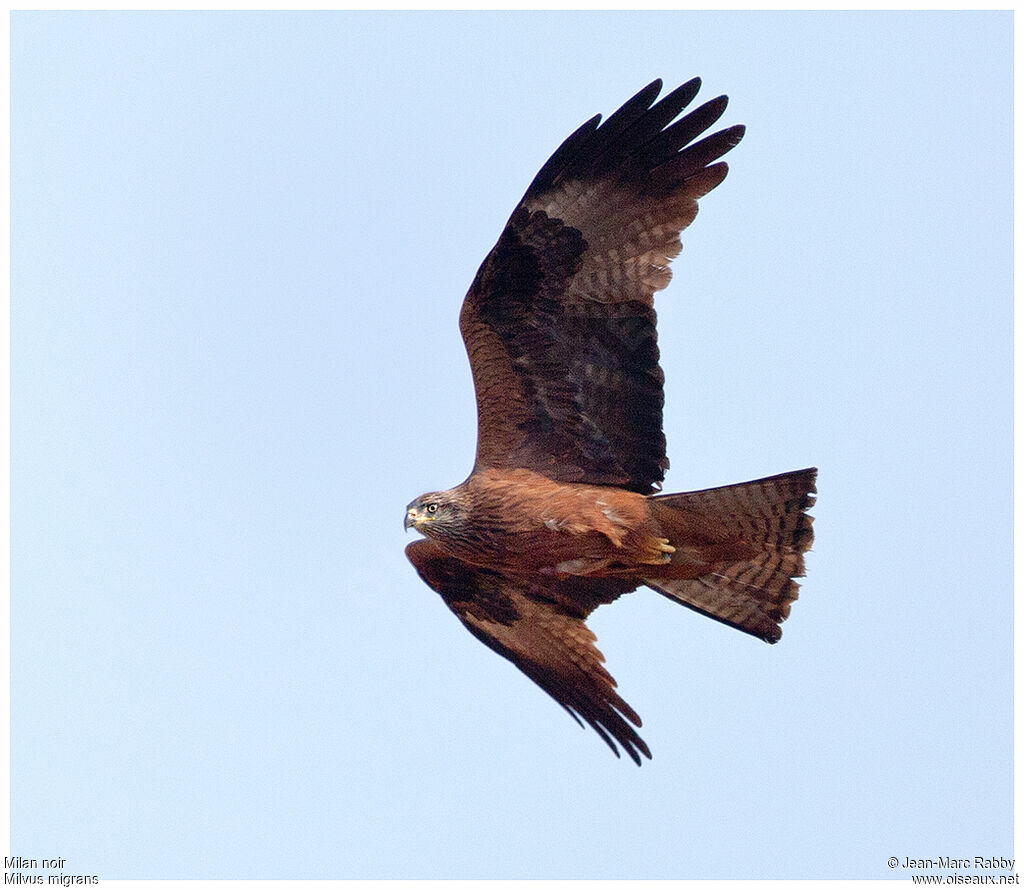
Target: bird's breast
[[522, 522]]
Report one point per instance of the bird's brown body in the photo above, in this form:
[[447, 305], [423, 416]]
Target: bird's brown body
[[537, 525], [561, 513], [524, 524]]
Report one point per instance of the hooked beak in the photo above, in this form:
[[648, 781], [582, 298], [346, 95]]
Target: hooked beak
[[411, 516]]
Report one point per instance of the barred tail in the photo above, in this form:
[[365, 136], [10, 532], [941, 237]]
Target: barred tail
[[758, 533]]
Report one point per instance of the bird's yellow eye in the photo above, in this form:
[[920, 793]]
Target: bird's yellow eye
[[431, 508]]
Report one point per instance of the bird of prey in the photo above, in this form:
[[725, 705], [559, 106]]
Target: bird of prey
[[561, 512]]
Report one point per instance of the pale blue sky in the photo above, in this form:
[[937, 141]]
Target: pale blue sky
[[239, 247]]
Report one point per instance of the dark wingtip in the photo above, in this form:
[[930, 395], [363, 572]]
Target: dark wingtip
[[683, 94], [643, 750], [713, 109], [654, 87], [632, 109]]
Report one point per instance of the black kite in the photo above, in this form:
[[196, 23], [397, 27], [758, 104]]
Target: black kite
[[561, 513]]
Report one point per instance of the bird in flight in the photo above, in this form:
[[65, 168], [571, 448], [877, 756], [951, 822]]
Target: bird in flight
[[562, 511]]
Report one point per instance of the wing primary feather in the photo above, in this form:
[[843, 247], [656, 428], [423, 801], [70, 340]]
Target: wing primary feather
[[630, 112], [696, 157], [618, 137], [647, 131], [600, 731], [669, 141], [697, 121], [705, 180], [571, 154], [565, 152], [669, 105]]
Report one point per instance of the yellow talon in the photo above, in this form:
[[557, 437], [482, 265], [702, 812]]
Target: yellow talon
[[660, 552]]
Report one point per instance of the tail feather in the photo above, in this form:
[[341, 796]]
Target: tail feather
[[757, 535]]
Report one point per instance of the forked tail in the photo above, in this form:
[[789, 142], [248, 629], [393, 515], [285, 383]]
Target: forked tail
[[757, 533]]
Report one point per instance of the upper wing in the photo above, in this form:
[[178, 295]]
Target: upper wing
[[559, 323], [540, 630]]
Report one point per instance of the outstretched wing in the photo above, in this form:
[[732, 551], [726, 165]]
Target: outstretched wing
[[540, 628], [559, 323]]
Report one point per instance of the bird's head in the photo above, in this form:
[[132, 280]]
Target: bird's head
[[434, 514]]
